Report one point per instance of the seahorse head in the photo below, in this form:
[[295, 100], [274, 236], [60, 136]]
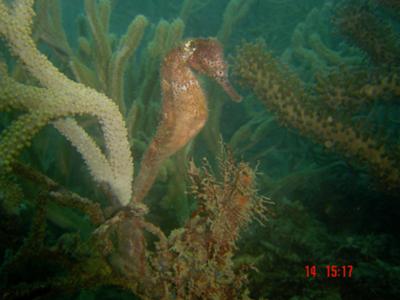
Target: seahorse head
[[207, 57]]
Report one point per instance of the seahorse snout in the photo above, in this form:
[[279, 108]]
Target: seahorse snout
[[228, 88]]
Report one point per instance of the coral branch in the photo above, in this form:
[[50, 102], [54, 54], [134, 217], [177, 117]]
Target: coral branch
[[127, 47], [234, 12], [59, 194], [65, 97], [361, 25], [282, 93]]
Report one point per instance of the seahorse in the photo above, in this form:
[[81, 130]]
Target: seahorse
[[184, 107]]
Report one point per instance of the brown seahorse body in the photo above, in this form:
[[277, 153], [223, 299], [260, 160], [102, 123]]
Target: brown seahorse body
[[184, 109]]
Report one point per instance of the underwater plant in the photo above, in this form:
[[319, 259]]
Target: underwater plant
[[319, 120], [192, 262], [325, 108], [336, 85]]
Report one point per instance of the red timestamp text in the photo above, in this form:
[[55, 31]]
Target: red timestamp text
[[329, 271]]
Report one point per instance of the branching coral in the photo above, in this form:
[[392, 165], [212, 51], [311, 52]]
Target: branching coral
[[344, 80], [52, 102], [368, 26], [235, 11], [109, 64], [358, 21], [353, 87], [391, 5], [282, 92], [148, 254], [313, 49]]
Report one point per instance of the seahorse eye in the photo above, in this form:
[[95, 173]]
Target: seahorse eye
[[220, 73]]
